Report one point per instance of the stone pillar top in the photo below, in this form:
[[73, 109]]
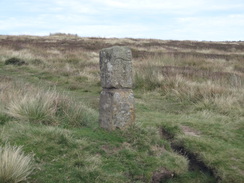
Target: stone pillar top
[[117, 52], [116, 67]]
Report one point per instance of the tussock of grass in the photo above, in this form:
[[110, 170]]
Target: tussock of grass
[[34, 105], [15, 166], [38, 108]]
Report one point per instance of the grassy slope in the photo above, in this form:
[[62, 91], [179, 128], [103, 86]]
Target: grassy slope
[[84, 153]]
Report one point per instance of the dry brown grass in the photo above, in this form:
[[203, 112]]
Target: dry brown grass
[[186, 69], [28, 103], [206, 84], [15, 166], [76, 63]]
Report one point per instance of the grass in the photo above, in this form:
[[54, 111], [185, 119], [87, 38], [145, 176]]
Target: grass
[[212, 105], [14, 165], [50, 107], [84, 155], [213, 111], [28, 104], [220, 92]]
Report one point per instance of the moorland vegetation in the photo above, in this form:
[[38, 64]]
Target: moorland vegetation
[[189, 112]]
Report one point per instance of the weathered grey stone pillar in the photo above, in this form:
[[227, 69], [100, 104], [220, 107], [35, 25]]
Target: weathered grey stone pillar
[[116, 99]]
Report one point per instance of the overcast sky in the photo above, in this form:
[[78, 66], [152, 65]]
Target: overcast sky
[[216, 20]]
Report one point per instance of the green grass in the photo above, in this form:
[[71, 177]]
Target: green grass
[[218, 141], [91, 154], [83, 154], [87, 153]]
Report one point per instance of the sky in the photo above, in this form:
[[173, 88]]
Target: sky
[[202, 20]]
